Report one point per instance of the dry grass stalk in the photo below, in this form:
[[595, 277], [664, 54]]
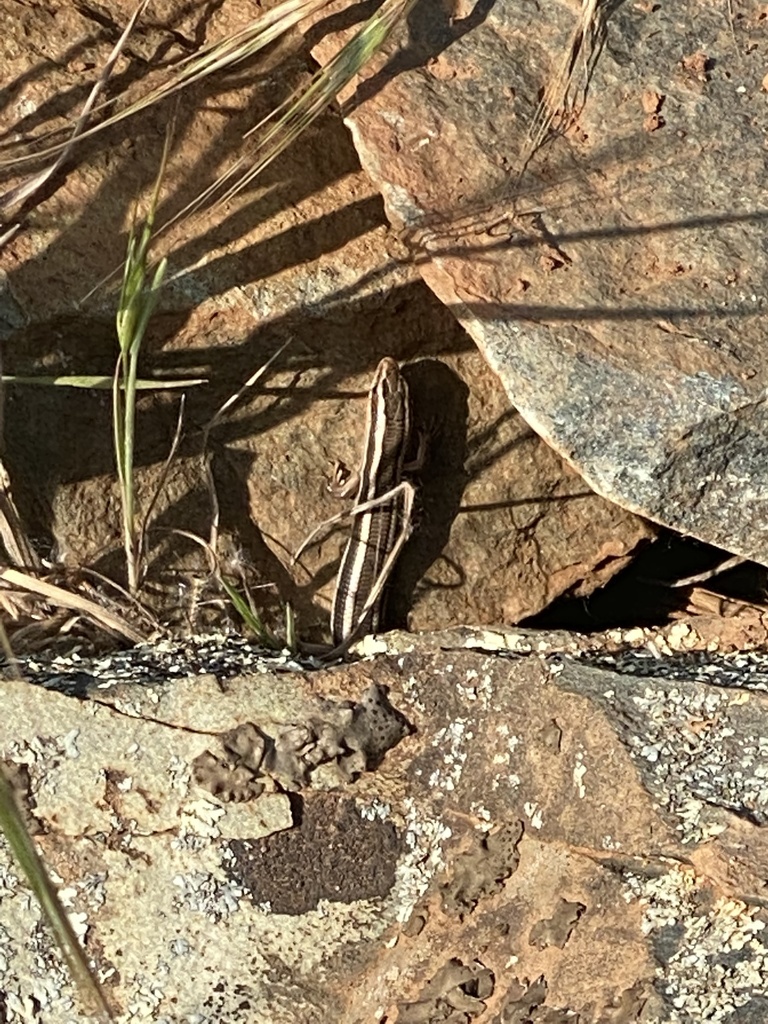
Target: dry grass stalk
[[288, 121], [560, 102], [257, 35], [235, 398], [98, 382], [57, 596], [13, 538], [26, 189]]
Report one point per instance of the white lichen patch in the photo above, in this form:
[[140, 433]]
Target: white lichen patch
[[423, 839], [579, 771], [411, 690], [375, 811], [146, 996], [482, 813], [93, 890], [9, 880], [476, 687], [496, 640], [534, 814], [33, 979], [681, 637], [683, 740], [79, 921], [6, 950], [503, 758], [452, 740], [43, 750], [634, 636], [720, 960], [179, 773], [200, 818], [69, 744], [204, 893], [370, 646], [180, 947]]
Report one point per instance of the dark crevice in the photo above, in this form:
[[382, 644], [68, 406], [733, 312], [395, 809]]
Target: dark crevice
[[642, 594]]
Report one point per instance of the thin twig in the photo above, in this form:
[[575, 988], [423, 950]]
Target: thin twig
[[233, 399], [701, 577], [357, 510]]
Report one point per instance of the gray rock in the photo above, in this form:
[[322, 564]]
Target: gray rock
[[617, 285], [554, 833]]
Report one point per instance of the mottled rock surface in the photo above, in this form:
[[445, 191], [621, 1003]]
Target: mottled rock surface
[[616, 286], [467, 826]]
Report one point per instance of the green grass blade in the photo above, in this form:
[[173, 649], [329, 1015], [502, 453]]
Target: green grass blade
[[24, 850], [250, 616], [136, 305]]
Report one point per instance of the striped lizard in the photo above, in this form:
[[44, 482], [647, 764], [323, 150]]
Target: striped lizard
[[382, 510]]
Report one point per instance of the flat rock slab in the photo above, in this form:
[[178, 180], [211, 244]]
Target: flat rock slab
[[465, 826], [617, 287]]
